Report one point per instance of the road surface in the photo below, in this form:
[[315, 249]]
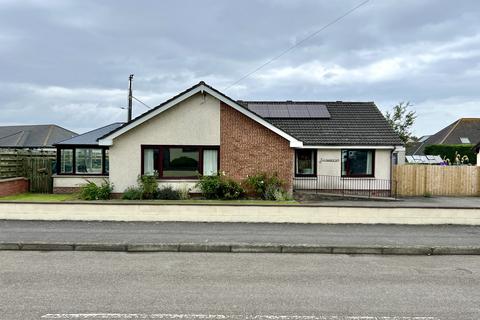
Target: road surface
[[258, 233], [215, 286]]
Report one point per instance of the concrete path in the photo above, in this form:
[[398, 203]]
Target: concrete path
[[238, 237], [206, 286], [405, 202]]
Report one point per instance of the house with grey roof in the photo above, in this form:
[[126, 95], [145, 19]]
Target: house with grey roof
[[201, 131], [462, 131], [33, 136]]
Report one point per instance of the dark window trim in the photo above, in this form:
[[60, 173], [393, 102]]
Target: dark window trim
[[314, 174], [160, 147], [74, 160], [358, 175]]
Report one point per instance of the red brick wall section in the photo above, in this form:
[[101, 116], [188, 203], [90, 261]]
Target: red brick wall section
[[13, 186], [247, 148], [64, 190]]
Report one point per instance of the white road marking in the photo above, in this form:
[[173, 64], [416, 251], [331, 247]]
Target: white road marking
[[219, 316]]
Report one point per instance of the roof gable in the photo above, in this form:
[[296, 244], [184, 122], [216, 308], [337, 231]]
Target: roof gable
[[202, 87]]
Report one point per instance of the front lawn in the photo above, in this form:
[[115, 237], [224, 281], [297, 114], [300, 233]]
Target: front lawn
[[39, 197]]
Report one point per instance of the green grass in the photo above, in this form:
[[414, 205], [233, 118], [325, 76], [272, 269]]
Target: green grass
[[202, 201], [40, 197]]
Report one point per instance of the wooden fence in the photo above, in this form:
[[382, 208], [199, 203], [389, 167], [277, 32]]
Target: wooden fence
[[37, 166], [425, 180]]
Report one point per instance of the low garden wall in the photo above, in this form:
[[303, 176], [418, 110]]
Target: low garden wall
[[131, 211], [13, 186]]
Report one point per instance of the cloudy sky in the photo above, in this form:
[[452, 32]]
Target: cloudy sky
[[67, 62]]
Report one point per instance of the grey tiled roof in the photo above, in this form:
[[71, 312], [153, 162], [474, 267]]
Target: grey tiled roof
[[351, 123], [451, 134], [33, 136], [90, 138]]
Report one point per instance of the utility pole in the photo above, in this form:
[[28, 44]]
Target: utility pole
[[130, 78]]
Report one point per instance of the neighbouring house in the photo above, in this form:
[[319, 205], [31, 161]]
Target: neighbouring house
[[33, 136], [463, 131], [201, 131]]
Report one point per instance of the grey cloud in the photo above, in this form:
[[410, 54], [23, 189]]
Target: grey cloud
[[85, 50]]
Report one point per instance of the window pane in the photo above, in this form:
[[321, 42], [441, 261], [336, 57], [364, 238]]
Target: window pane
[[107, 162], [150, 161], [66, 161], [88, 161], [305, 161], [210, 162], [180, 162], [357, 162]]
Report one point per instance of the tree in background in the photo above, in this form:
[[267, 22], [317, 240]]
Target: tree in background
[[402, 119]]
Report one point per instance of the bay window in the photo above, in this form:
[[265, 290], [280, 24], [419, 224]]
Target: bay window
[[82, 160], [358, 163], [177, 162]]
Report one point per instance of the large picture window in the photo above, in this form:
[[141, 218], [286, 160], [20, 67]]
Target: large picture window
[[305, 160], [358, 163], [177, 162]]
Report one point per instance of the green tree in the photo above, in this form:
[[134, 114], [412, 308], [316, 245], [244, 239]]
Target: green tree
[[402, 119]]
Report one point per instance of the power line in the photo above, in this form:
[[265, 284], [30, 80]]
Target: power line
[[298, 43], [146, 105]]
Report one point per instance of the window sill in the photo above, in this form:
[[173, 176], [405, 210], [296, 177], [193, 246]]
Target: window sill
[[178, 180]]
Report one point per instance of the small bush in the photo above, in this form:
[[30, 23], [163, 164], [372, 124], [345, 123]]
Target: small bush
[[218, 187], [167, 193], [184, 193], [149, 185], [265, 186], [133, 193], [91, 191]]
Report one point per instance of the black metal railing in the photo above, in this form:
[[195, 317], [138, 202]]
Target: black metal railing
[[358, 186]]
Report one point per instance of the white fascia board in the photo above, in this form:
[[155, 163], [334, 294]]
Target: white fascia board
[[108, 140], [105, 142], [349, 147], [399, 148]]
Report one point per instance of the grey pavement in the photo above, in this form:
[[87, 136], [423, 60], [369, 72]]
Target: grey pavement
[[12, 231], [214, 286], [404, 202]]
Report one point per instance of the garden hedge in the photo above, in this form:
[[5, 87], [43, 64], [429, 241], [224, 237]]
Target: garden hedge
[[448, 151]]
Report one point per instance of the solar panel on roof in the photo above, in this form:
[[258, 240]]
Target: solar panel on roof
[[291, 110], [296, 112], [280, 111]]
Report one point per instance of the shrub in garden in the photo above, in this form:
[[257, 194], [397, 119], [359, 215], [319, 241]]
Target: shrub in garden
[[91, 191], [265, 186], [167, 193], [219, 187], [149, 185], [133, 193]]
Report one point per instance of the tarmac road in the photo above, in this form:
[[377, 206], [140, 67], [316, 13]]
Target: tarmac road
[[215, 286]]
